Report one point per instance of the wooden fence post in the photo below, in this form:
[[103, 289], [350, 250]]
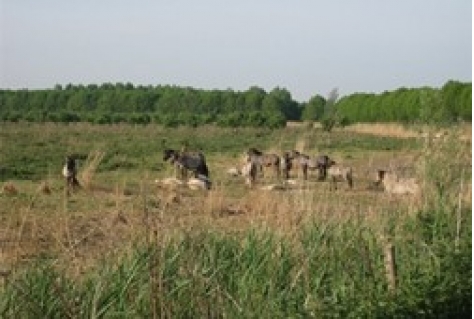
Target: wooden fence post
[[390, 265]]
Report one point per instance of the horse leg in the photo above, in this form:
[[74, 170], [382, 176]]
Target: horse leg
[[68, 186], [350, 181], [75, 183], [277, 170], [177, 171], [305, 172]]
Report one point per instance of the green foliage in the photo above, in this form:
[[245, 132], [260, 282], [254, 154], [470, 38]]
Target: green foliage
[[329, 269], [332, 116], [183, 106], [168, 105], [314, 109], [451, 103]]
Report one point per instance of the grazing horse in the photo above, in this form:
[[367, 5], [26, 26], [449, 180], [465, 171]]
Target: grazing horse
[[297, 160], [192, 161], [70, 173], [262, 160], [321, 163]]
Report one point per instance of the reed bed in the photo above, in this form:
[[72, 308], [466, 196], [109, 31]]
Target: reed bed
[[330, 268]]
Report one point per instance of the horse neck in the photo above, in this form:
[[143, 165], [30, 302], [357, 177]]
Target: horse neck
[[70, 165]]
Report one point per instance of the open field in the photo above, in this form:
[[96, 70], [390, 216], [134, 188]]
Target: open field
[[182, 249]]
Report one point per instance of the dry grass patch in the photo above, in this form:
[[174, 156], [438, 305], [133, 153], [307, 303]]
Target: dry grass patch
[[383, 129], [9, 189], [86, 175]]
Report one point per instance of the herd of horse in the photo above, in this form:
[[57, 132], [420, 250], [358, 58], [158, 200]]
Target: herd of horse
[[254, 164]]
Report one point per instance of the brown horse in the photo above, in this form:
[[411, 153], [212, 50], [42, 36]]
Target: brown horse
[[321, 163], [263, 160], [296, 160]]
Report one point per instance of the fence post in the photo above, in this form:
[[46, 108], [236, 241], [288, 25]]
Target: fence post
[[390, 265]]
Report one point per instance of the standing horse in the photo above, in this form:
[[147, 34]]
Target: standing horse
[[337, 173], [249, 171], [263, 160], [192, 161], [321, 163], [296, 160], [70, 173]]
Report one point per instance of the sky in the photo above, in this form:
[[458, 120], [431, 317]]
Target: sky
[[308, 47]]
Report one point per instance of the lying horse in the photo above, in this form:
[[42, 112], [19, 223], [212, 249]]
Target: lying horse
[[394, 184], [262, 160], [192, 161]]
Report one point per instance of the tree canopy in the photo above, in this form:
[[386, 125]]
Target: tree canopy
[[174, 105]]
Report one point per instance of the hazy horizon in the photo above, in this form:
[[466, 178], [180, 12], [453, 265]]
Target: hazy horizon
[[307, 47]]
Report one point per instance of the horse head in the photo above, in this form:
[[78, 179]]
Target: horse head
[[169, 154]]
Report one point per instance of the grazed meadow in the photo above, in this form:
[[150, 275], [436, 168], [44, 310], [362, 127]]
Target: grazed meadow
[[125, 246]]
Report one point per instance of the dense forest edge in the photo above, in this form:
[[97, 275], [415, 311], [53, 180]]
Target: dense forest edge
[[173, 106]]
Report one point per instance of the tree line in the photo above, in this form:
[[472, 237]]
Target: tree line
[[174, 106], [450, 104]]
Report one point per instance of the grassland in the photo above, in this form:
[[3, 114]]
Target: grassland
[[125, 246]]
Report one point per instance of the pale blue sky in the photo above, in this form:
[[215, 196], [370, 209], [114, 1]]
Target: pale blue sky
[[306, 46]]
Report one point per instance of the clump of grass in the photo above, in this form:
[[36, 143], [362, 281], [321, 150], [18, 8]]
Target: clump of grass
[[9, 189], [86, 175], [444, 170], [44, 188]]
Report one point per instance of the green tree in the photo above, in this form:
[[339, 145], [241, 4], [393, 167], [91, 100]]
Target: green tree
[[254, 98], [330, 116], [314, 109], [275, 120]]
